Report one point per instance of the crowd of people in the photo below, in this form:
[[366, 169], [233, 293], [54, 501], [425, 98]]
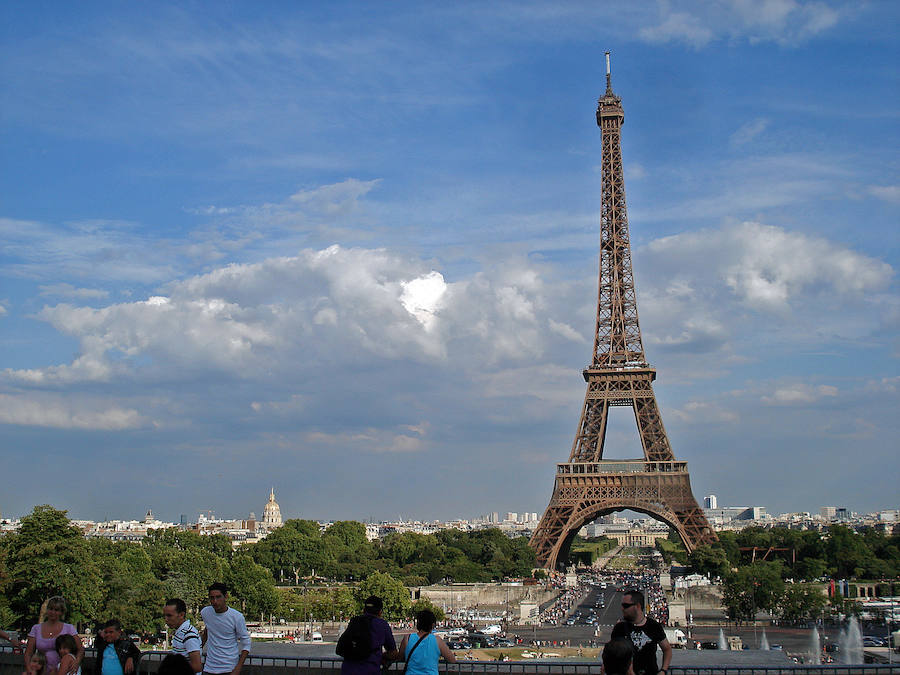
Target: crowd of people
[[53, 647]]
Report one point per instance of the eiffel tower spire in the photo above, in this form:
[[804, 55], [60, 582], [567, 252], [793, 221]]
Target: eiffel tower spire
[[587, 486]]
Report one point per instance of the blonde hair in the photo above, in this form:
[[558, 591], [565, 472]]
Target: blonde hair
[[39, 655], [56, 602]]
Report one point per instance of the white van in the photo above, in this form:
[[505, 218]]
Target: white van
[[317, 637]]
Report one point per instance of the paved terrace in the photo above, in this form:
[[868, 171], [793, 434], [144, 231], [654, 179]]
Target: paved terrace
[[738, 663]]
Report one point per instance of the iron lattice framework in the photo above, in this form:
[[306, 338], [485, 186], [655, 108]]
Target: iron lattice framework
[[587, 486]]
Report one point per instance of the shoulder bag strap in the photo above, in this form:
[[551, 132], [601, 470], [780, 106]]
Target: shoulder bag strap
[[409, 656]]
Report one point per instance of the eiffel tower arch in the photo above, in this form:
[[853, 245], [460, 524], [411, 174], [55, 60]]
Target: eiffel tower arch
[[587, 486]]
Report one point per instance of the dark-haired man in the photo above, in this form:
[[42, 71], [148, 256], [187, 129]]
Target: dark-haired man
[[644, 634], [116, 654], [617, 657], [382, 646], [225, 632], [186, 639]]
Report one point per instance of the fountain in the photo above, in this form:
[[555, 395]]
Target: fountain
[[815, 648], [764, 642], [851, 650], [723, 643]]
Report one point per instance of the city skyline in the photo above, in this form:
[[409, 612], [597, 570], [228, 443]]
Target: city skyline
[[355, 248]]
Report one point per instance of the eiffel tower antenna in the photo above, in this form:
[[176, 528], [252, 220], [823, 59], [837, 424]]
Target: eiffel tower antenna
[[587, 486]]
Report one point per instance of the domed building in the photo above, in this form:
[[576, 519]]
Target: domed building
[[271, 513]]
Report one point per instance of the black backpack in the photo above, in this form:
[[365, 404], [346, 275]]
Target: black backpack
[[355, 643]]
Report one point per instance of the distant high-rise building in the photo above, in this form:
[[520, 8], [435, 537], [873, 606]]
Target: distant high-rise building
[[710, 502], [511, 516], [271, 512], [828, 512]]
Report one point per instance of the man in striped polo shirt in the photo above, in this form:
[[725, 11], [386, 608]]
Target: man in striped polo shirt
[[186, 639]]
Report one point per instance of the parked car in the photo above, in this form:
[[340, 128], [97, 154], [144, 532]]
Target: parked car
[[872, 641], [709, 645]]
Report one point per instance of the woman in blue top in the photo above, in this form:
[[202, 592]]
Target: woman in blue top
[[422, 659]]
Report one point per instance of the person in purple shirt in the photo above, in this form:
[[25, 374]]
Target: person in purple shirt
[[383, 644]]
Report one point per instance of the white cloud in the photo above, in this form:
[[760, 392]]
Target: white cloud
[[566, 331], [889, 193], [678, 27], [704, 412], [320, 306], [786, 22], [68, 413], [768, 268], [373, 440], [748, 131], [799, 394], [3, 310], [422, 297], [65, 290]]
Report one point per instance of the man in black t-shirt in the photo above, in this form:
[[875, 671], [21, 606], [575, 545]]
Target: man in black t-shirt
[[644, 634]]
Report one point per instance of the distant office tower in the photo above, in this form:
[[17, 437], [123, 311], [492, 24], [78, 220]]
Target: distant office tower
[[828, 512], [710, 502], [271, 512], [495, 517], [512, 516]]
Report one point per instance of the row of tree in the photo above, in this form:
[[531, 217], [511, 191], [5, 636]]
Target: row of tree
[[837, 553], [342, 553], [806, 557], [131, 580]]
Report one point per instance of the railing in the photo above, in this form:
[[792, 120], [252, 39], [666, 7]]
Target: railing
[[620, 466], [11, 664]]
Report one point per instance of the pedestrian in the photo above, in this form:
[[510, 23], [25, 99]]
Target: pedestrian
[[224, 633], [423, 651], [617, 657], [67, 647], [644, 633], [116, 654], [382, 645], [36, 665], [186, 640], [42, 637]]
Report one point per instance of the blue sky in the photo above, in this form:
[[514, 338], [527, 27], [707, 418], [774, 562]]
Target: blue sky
[[350, 250]]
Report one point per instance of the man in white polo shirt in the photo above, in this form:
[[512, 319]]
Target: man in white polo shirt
[[225, 634], [186, 639]]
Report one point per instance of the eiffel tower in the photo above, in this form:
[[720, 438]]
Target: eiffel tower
[[587, 486]]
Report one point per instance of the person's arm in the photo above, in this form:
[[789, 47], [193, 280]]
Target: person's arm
[[243, 638], [29, 650], [194, 647], [196, 661], [14, 641], [402, 650], [390, 646], [448, 655], [79, 653], [203, 636], [667, 655]]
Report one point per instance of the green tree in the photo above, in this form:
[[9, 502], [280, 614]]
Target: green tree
[[251, 586], [423, 604], [293, 550], [131, 593], [709, 560], [756, 587], [49, 556], [392, 592], [801, 602]]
